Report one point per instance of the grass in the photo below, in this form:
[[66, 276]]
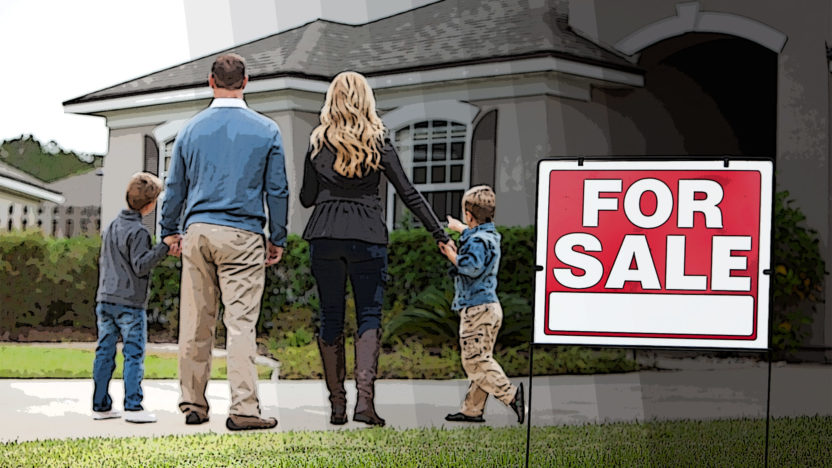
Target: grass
[[39, 362], [804, 441]]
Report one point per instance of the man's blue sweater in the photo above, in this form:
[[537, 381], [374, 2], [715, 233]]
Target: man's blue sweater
[[224, 162]]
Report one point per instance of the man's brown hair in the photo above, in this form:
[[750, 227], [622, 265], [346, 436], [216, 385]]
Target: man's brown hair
[[229, 71], [142, 189], [481, 202]]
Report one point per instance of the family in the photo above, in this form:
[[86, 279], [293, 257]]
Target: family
[[227, 170]]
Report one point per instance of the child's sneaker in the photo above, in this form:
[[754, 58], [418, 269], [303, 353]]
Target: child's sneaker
[[110, 414], [139, 417]]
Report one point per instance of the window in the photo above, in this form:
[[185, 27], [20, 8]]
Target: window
[[433, 154]]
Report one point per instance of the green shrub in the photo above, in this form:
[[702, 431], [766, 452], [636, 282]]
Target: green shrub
[[799, 270], [23, 264], [47, 282], [432, 320]]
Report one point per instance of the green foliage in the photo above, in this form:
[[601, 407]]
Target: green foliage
[[47, 282], [299, 338], [46, 162], [414, 263], [430, 318], [22, 265], [434, 323], [799, 271], [163, 301]]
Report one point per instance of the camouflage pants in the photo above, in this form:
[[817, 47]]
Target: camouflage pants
[[478, 328]]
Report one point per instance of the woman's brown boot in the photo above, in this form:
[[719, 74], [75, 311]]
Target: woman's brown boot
[[367, 348], [335, 371]]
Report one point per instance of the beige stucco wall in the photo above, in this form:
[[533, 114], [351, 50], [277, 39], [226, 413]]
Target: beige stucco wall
[[295, 127], [124, 158]]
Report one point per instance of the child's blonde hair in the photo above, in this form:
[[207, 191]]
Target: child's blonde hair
[[481, 202], [142, 189]]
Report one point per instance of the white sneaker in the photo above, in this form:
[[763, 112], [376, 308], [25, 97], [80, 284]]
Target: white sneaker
[[139, 417], [99, 415]]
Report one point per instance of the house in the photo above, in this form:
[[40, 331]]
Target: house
[[80, 214], [479, 91], [25, 201]]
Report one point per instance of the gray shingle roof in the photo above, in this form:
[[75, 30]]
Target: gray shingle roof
[[442, 34]]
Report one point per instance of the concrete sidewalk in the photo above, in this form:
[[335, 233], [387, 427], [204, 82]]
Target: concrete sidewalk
[[57, 409]]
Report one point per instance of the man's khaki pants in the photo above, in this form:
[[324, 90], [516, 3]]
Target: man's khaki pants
[[220, 261], [478, 328]]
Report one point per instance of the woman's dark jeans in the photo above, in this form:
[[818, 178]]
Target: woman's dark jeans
[[366, 265]]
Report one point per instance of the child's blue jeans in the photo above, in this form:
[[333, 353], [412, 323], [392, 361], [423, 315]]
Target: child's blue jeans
[[131, 324]]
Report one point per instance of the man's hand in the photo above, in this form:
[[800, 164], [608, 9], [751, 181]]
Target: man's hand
[[174, 243], [274, 254], [456, 225], [448, 250]]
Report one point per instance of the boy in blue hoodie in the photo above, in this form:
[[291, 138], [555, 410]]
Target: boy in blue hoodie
[[126, 261], [480, 313]]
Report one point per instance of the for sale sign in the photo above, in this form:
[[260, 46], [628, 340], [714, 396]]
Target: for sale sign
[[654, 253]]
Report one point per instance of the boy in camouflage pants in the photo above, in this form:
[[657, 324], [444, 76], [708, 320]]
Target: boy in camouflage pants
[[475, 298]]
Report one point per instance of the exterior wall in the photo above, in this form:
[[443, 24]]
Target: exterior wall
[[537, 127], [295, 128], [522, 139], [803, 89], [80, 190], [124, 158]]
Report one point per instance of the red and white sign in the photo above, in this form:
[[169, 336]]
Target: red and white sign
[[653, 253]]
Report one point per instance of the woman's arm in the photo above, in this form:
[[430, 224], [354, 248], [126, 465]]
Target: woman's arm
[[309, 189], [411, 197]]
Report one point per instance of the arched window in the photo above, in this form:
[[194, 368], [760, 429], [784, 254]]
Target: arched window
[[433, 139], [434, 154]]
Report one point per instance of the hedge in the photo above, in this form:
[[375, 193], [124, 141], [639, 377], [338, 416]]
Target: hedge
[[49, 282], [52, 282]]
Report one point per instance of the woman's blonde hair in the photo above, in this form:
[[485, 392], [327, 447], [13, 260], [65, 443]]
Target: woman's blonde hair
[[350, 126]]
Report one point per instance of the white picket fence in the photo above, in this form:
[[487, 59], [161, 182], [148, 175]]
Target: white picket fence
[[53, 220]]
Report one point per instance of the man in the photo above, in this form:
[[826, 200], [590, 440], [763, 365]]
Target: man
[[224, 162]]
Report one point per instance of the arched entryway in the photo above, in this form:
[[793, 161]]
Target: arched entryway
[[719, 91]]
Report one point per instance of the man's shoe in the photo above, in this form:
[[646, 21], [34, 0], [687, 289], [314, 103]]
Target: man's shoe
[[109, 414], [518, 404], [139, 417], [193, 418], [461, 417], [244, 423]]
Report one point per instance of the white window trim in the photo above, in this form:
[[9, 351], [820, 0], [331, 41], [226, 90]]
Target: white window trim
[[451, 111]]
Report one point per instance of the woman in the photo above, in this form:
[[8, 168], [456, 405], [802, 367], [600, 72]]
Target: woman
[[347, 235]]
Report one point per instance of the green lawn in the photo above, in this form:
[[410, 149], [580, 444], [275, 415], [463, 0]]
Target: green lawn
[[794, 442], [37, 362]]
